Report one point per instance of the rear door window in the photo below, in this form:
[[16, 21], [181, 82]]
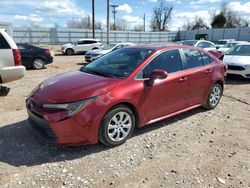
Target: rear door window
[[3, 43], [193, 58], [206, 59]]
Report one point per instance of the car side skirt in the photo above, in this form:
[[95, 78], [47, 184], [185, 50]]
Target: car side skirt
[[172, 114]]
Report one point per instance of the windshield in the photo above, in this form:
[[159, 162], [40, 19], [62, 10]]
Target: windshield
[[118, 64], [229, 45], [109, 46], [188, 43], [242, 50]]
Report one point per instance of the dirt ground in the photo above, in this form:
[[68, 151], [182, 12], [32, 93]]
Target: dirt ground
[[195, 149]]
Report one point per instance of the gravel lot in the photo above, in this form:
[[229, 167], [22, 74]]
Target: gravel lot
[[196, 149]]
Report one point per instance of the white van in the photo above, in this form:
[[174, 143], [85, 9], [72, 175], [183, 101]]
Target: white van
[[10, 60]]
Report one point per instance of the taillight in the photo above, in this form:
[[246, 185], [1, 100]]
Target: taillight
[[17, 57], [46, 52]]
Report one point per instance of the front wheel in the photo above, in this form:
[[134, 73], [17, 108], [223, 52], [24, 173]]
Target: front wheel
[[214, 97], [117, 126]]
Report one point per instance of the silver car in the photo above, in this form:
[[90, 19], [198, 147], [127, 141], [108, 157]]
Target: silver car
[[238, 60], [95, 54]]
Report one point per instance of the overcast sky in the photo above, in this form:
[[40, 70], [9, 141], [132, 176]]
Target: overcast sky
[[46, 13]]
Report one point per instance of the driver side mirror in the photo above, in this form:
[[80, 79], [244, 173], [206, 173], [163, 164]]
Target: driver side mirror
[[157, 74]]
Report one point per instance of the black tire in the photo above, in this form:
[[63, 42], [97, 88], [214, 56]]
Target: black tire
[[70, 51], [214, 97], [104, 130], [95, 48], [38, 63]]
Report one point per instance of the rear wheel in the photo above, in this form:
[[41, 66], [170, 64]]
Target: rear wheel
[[38, 63], [214, 97], [117, 126], [69, 51]]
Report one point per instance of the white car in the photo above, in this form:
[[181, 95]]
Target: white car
[[222, 42], [206, 45], [95, 54], [238, 60], [82, 45], [229, 45], [10, 61]]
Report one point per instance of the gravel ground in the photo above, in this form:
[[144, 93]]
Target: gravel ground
[[196, 149]]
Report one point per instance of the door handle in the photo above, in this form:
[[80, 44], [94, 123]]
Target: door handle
[[183, 79], [208, 71]]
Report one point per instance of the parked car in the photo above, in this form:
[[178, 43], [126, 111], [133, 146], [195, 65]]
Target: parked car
[[82, 45], [10, 62], [95, 54], [222, 42], [227, 46], [238, 60], [129, 87], [206, 45], [33, 56]]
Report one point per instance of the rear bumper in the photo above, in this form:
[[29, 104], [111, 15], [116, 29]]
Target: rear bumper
[[8, 74], [49, 60]]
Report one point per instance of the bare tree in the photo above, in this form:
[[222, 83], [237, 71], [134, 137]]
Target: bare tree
[[138, 27], [228, 18], [161, 17], [120, 25], [83, 23], [197, 23]]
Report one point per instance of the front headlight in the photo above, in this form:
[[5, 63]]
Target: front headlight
[[72, 108], [95, 55], [247, 66]]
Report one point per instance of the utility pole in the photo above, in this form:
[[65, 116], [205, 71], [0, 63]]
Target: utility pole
[[88, 22], [107, 21], [93, 18], [144, 22], [114, 12]]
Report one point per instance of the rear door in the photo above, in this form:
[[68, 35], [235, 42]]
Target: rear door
[[168, 95], [6, 54], [28, 53], [199, 70]]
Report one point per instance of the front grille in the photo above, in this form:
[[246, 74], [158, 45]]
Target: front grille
[[234, 67], [41, 127], [38, 124]]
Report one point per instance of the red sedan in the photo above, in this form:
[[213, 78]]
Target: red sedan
[[131, 87]]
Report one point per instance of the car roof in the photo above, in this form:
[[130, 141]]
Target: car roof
[[247, 43], [159, 46], [89, 39]]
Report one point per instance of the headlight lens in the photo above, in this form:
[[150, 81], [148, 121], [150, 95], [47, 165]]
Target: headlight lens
[[72, 108]]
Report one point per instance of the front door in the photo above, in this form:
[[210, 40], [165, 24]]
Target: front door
[[168, 95]]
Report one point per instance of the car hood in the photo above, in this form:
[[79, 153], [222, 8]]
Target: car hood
[[98, 51], [71, 87], [236, 60], [69, 44]]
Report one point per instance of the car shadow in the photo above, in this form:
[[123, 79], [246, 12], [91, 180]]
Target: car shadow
[[236, 80], [20, 147]]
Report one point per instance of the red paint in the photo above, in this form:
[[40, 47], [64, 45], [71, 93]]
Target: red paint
[[177, 93]]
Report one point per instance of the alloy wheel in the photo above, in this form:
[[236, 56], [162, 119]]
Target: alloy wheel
[[119, 126]]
